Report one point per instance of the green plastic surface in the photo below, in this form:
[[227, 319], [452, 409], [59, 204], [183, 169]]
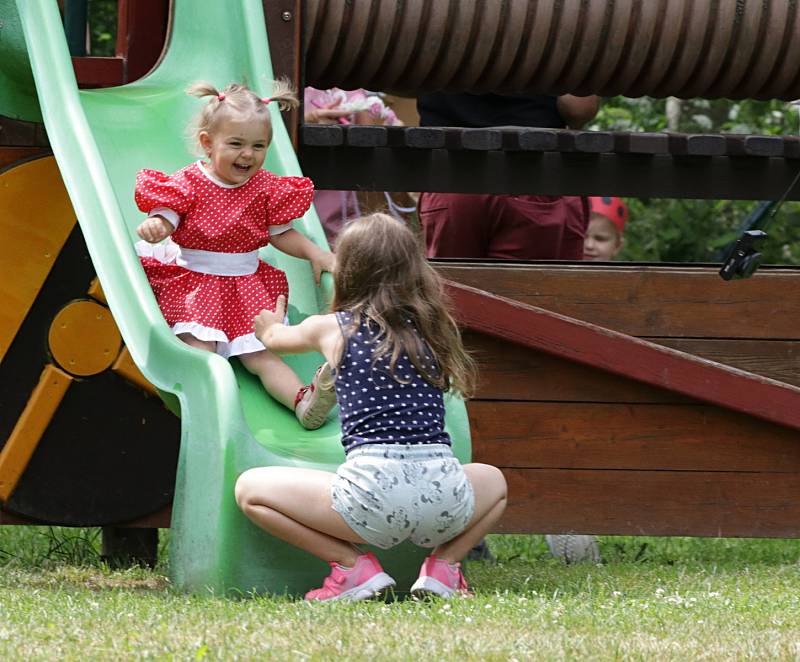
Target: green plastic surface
[[100, 139], [17, 90]]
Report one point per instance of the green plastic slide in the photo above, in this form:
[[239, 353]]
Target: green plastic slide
[[100, 139]]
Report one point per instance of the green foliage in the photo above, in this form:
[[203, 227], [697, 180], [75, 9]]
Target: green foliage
[[678, 230], [103, 27]]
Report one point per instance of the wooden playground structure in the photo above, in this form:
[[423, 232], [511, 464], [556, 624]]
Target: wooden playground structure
[[638, 399]]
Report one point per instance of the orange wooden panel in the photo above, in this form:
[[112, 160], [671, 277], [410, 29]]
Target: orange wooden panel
[[96, 291], [125, 367], [32, 423], [36, 219], [652, 503], [84, 338], [618, 436], [649, 301]]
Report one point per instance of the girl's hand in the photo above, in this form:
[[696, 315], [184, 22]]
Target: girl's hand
[[322, 261], [325, 115], [266, 318], [154, 229]]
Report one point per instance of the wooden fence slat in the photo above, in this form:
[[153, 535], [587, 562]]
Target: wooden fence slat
[[654, 503], [649, 301], [511, 372], [591, 436]]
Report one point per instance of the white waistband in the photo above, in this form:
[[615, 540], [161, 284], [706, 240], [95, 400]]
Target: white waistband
[[218, 264]]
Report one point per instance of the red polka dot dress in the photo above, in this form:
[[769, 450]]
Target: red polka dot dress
[[207, 277]]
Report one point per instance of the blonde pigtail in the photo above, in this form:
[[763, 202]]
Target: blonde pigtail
[[283, 93]]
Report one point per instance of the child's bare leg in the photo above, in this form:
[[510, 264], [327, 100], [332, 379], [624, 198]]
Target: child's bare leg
[[279, 380], [294, 504], [189, 339], [489, 486]]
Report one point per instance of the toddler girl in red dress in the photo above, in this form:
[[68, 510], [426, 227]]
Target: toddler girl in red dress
[[207, 277]]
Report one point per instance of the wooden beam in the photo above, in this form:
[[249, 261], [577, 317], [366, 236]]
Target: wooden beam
[[647, 300], [627, 356], [549, 161], [99, 71], [141, 35], [284, 31], [22, 442], [509, 371], [652, 503], [646, 437]]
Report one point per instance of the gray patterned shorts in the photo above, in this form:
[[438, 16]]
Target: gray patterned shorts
[[388, 493]]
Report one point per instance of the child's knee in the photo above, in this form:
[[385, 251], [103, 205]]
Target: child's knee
[[245, 487], [494, 481]]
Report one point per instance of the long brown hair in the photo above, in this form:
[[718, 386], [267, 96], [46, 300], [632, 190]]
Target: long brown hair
[[381, 273]]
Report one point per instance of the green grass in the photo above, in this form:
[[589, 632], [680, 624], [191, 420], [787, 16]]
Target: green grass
[[651, 598]]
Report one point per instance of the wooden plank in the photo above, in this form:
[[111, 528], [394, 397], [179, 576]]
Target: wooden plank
[[641, 143], [11, 155], [160, 519], [366, 136], [141, 35], [551, 173], [698, 144], [744, 145], [625, 355], [511, 372], [283, 20], [19, 133], [20, 445], [648, 301], [481, 139], [508, 371], [321, 135], [652, 503], [419, 137], [36, 221], [592, 142], [532, 139], [99, 71], [552, 435], [775, 359]]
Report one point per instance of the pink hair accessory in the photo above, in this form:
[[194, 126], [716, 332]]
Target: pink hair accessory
[[266, 100], [221, 96]]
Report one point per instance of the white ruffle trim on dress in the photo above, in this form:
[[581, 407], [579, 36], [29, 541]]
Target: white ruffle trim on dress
[[246, 344]]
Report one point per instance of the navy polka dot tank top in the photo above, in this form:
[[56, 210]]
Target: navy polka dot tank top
[[374, 408]]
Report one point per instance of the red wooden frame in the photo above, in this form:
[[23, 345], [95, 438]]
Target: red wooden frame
[[141, 34], [627, 356]]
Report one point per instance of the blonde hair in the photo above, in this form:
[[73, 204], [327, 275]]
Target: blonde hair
[[381, 274], [238, 100]]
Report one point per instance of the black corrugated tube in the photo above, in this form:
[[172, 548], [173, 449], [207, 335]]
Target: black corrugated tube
[[685, 48]]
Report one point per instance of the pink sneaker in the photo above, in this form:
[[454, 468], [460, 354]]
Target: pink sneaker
[[314, 402], [365, 580], [439, 577]]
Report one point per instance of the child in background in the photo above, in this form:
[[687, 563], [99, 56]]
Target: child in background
[[208, 278], [606, 224], [396, 350]]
